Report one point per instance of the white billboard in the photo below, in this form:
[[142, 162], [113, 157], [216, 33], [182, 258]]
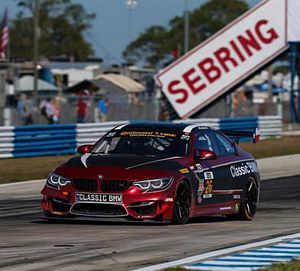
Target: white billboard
[[232, 54], [293, 20]]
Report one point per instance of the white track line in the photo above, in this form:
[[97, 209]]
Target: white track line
[[18, 183], [218, 253]]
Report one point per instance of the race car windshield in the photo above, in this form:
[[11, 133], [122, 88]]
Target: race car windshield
[[143, 143]]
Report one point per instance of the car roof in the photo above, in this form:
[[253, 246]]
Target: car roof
[[160, 125]]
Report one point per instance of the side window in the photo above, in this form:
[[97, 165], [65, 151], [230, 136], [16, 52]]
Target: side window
[[225, 147], [204, 141], [210, 140]]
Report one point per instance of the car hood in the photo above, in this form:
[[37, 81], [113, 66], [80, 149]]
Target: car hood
[[125, 161], [125, 166]]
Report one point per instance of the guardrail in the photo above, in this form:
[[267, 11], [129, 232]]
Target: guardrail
[[40, 140]]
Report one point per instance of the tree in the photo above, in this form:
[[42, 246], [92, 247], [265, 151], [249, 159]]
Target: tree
[[148, 46], [62, 26], [155, 45]]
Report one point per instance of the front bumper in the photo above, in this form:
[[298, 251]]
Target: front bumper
[[136, 205]]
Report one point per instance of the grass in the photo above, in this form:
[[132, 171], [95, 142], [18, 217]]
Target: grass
[[22, 169], [273, 147], [290, 266], [33, 168]]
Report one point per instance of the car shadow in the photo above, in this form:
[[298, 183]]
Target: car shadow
[[79, 221], [114, 222]]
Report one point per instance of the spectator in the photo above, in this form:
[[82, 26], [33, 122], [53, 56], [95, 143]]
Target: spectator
[[50, 110], [56, 106], [25, 109], [43, 108], [102, 109], [81, 110]]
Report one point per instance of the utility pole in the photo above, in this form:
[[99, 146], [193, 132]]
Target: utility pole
[[186, 28], [2, 95], [35, 48], [131, 5]]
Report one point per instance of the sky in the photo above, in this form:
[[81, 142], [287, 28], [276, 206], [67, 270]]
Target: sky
[[116, 25]]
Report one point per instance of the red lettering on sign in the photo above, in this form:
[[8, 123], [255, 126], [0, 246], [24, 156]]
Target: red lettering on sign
[[223, 55], [192, 82], [225, 59], [209, 69], [249, 42], [182, 91], [237, 50], [265, 39]]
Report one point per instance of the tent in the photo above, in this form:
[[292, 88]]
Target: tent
[[26, 84], [109, 83]]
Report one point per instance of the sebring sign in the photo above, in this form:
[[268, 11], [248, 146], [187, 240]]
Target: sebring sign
[[218, 64]]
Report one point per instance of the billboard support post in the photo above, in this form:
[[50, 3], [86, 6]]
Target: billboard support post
[[294, 115]]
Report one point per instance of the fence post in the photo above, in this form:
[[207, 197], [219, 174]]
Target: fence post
[[2, 96]]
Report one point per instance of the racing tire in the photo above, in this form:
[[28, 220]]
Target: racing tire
[[248, 201], [182, 204]]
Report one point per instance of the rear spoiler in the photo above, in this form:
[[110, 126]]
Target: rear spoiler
[[238, 134]]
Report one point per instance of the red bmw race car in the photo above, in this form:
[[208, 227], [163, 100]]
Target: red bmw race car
[[156, 171]]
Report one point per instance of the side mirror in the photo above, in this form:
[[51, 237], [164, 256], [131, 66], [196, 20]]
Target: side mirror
[[83, 149], [205, 155]]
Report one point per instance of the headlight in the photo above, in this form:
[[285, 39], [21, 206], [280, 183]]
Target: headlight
[[154, 184], [56, 181]]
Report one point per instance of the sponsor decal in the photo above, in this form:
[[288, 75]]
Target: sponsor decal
[[237, 206], [169, 200], [100, 177], [225, 208], [208, 175], [201, 189], [203, 128], [236, 196], [111, 134], [208, 189], [199, 167], [184, 170], [185, 137], [243, 169], [147, 133], [101, 198], [252, 166]]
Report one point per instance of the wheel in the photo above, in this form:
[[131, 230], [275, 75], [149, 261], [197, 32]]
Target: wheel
[[182, 203], [249, 200]]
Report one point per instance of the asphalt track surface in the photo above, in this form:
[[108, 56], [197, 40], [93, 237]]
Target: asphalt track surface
[[28, 242]]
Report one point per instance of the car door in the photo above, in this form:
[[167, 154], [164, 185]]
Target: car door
[[214, 174]]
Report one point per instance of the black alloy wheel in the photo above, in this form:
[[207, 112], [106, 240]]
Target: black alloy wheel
[[182, 203], [249, 200]]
